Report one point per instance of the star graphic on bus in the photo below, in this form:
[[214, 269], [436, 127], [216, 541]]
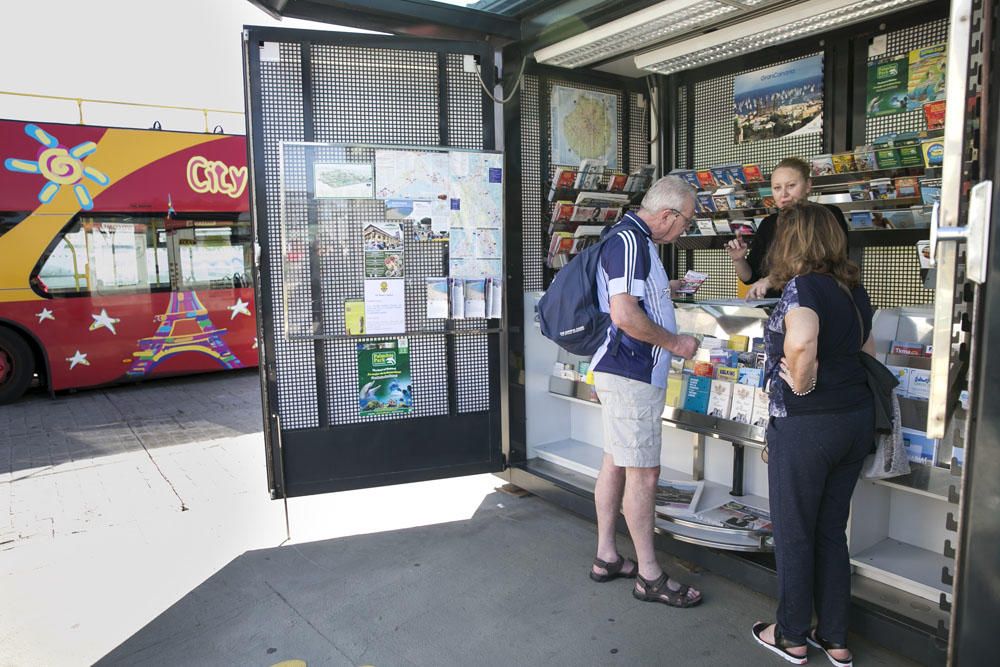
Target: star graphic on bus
[[239, 308], [77, 359], [104, 320], [46, 314], [60, 166]]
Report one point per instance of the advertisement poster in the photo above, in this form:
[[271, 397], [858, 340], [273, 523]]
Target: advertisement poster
[[384, 385], [927, 68], [383, 244], [779, 101], [887, 86], [584, 126]]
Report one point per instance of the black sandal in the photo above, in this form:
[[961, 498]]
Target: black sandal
[[614, 570], [780, 645], [658, 591], [826, 647]]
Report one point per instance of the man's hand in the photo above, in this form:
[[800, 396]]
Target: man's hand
[[684, 346], [759, 289], [674, 286]]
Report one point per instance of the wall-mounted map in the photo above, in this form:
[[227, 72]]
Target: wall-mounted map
[[584, 126]]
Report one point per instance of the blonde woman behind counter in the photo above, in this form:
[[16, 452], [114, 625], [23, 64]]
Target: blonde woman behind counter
[[790, 183]]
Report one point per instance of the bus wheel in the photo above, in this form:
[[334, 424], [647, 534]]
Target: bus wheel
[[17, 366]]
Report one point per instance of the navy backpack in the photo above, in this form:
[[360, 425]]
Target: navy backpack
[[568, 312]]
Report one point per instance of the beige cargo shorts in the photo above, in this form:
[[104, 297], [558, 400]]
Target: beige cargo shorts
[[632, 412]]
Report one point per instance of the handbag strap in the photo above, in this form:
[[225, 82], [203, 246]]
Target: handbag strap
[[857, 311]]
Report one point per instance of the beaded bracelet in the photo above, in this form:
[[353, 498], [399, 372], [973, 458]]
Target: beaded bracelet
[[807, 391]]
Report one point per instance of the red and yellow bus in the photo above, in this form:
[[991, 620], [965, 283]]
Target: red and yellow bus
[[124, 254]]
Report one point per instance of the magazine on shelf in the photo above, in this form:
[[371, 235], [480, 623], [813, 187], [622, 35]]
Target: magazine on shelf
[[616, 182], [720, 398], [562, 180], [678, 497], [601, 199], [864, 158], [738, 516], [761, 408], [844, 163], [706, 227], [742, 406], [589, 174]]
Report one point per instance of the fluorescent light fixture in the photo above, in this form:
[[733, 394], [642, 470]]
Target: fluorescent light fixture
[[778, 27], [635, 31]]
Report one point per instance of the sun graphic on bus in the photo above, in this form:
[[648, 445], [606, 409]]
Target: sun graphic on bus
[[59, 166]]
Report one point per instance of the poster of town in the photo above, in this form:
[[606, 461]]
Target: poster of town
[[779, 101], [584, 126]]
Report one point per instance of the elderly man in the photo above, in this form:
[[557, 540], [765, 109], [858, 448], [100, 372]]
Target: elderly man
[[630, 373]]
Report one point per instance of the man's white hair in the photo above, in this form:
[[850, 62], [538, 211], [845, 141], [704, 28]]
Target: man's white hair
[[671, 192]]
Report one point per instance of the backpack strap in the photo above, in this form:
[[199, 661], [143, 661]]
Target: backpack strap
[[606, 235]]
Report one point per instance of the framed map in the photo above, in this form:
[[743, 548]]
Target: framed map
[[584, 125]]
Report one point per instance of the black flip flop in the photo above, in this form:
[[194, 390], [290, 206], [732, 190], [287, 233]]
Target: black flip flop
[[613, 570], [780, 644]]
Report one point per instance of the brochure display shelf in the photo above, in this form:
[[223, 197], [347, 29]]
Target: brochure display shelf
[[898, 526], [857, 238]]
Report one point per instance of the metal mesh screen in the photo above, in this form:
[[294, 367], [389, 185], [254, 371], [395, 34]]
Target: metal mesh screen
[[531, 186], [680, 113], [360, 95], [900, 42], [282, 119], [892, 277], [639, 110], [714, 143], [714, 262]]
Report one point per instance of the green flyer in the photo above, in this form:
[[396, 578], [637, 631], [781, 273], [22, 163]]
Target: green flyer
[[887, 86], [384, 385]]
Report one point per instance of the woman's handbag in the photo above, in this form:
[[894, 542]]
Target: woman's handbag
[[890, 458]]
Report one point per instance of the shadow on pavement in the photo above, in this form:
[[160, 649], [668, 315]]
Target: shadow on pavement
[[41, 431]]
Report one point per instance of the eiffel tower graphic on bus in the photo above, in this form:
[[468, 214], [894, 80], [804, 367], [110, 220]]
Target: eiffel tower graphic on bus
[[185, 327]]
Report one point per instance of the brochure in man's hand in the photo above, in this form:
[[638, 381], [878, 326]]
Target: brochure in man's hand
[[690, 283]]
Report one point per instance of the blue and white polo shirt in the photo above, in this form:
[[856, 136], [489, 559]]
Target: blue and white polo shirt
[[630, 264]]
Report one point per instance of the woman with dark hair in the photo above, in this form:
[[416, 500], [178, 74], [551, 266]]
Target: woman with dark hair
[[820, 430], [790, 183]]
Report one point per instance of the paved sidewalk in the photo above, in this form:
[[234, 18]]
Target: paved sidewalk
[[138, 531]]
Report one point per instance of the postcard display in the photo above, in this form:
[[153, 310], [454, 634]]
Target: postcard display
[[409, 248], [713, 486]]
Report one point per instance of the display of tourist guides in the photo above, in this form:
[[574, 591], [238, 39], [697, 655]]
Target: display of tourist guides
[[934, 115], [752, 174], [741, 410], [864, 158], [753, 377], [887, 158], [721, 225], [742, 227], [930, 190], [688, 175], [919, 448], [910, 155], [563, 180], [933, 152], [723, 199], [456, 297], [706, 180], [738, 517], [384, 385], [706, 227], [844, 163], [705, 203], [882, 188], [860, 192], [640, 180], [698, 391], [822, 165], [761, 408], [616, 182], [919, 385], [601, 199], [907, 186], [437, 298], [588, 175], [678, 497], [474, 294], [862, 220], [675, 390], [691, 281]]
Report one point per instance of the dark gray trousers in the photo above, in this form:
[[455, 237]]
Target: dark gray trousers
[[813, 465]]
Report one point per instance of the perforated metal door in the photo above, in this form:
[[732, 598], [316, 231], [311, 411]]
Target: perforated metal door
[[307, 93]]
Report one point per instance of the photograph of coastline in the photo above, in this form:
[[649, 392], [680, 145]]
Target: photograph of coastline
[[779, 101]]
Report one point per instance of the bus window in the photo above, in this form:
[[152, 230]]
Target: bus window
[[107, 255], [214, 254]]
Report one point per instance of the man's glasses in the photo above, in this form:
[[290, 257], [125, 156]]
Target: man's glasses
[[689, 222]]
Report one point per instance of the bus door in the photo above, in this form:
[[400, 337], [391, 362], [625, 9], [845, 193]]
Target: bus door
[[345, 409]]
